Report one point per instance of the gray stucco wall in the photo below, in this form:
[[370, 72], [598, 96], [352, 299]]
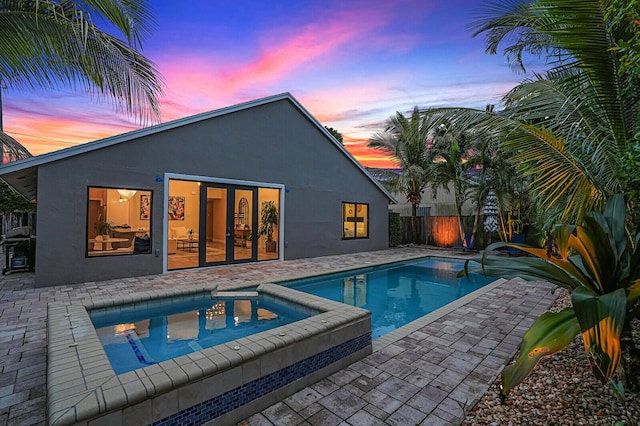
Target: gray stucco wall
[[273, 143]]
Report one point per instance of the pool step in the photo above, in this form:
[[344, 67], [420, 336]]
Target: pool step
[[234, 295]]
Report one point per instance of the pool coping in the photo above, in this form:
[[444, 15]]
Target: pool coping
[[417, 324], [82, 385], [136, 387]]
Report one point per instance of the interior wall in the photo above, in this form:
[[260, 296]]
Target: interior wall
[[191, 193], [125, 211], [219, 220]]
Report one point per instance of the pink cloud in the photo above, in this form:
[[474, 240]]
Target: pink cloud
[[198, 80]]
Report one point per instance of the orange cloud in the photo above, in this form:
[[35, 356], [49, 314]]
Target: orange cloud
[[366, 156], [56, 133]]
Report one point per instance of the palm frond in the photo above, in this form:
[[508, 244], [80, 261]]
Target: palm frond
[[46, 44]]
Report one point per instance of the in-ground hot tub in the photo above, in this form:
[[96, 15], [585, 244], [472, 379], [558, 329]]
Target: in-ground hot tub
[[225, 383], [136, 338]]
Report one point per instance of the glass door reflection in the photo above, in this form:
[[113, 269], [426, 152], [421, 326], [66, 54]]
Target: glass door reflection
[[216, 225], [243, 226]]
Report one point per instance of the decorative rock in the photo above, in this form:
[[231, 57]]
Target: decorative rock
[[561, 390]]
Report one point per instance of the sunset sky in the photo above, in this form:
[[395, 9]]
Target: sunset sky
[[351, 64]]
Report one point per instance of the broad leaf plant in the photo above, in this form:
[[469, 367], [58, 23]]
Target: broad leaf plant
[[599, 263]]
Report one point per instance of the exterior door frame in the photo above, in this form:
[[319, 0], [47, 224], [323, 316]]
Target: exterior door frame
[[221, 181], [230, 246]]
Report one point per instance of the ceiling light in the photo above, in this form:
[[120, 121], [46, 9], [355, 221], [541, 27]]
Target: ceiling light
[[126, 193]]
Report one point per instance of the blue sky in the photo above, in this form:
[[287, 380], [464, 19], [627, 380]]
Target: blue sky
[[352, 64]]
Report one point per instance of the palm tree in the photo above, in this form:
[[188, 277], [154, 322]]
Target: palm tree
[[583, 116], [571, 129], [474, 161], [405, 140], [494, 172], [571, 126], [449, 153], [47, 42]]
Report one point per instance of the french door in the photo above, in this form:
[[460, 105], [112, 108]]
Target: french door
[[228, 224]]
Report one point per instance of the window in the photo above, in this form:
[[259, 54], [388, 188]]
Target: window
[[355, 220], [118, 221]]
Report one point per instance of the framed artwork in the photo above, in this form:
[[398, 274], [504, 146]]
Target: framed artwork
[[176, 208], [145, 207]]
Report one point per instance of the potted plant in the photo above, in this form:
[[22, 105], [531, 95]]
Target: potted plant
[[104, 228], [268, 219]]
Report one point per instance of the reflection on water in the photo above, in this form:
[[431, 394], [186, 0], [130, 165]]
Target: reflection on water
[[161, 336], [355, 290], [396, 294]]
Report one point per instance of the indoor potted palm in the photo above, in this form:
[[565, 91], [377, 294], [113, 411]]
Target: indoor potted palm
[[104, 228], [268, 219]]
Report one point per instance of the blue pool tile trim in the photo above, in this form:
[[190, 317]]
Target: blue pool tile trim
[[136, 350], [235, 398]]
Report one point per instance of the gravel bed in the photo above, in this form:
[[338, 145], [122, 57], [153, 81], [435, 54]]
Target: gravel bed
[[560, 391]]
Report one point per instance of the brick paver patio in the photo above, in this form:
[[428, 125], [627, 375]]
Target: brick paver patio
[[427, 375]]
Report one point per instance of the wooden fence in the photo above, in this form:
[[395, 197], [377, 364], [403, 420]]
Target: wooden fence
[[443, 231]]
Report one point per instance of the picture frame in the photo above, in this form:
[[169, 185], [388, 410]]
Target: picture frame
[[176, 208], [145, 207]]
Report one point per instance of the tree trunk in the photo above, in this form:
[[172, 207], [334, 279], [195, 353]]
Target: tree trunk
[[463, 237], [474, 232], [630, 360], [414, 231]]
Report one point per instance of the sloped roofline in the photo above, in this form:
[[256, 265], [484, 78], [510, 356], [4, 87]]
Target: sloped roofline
[[34, 162]]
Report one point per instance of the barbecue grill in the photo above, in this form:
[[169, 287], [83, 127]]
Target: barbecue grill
[[19, 249]]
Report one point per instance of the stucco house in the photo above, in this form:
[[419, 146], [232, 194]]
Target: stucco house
[[193, 192]]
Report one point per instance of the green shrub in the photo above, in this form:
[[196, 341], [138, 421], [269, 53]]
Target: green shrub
[[395, 229]]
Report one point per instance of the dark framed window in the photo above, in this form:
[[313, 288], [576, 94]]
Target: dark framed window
[[118, 221], [355, 220]]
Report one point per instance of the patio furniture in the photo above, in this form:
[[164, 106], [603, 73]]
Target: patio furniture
[[470, 244]]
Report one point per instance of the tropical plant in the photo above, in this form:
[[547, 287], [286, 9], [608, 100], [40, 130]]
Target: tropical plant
[[104, 227], [600, 265], [577, 120], [474, 161], [626, 13], [48, 42], [405, 140], [268, 219], [493, 172], [570, 126], [448, 158]]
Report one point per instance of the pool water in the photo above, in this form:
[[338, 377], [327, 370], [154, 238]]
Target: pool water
[[396, 294], [147, 336]]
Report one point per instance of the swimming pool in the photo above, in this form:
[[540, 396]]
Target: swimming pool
[[138, 338], [398, 293], [224, 383]]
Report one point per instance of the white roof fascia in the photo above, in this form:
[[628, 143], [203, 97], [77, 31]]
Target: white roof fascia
[[341, 147]]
